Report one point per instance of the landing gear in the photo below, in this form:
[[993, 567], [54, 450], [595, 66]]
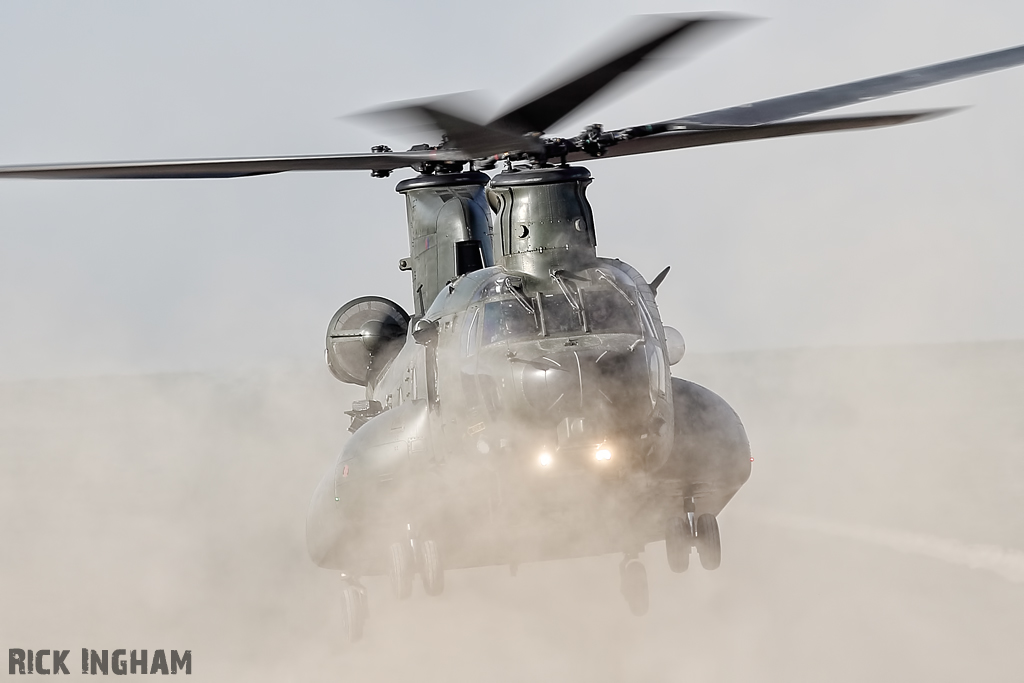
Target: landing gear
[[409, 556], [400, 569], [354, 611], [633, 584], [709, 542], [429, 565], [678, 542]]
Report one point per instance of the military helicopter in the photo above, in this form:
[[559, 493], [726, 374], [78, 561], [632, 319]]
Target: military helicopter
[[525, 409]]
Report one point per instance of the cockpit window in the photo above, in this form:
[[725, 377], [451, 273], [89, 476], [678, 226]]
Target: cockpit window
[[508, 319], [559, 315], [606, 311], [609, 311], [469, 333]]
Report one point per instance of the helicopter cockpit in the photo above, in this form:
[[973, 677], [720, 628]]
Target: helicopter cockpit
[[595, 311], [594, 301], [572, 364]]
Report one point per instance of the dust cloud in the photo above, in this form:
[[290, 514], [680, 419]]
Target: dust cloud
[[167, 511]]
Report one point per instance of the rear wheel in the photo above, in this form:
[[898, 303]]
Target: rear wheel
[[400, 570], [431, 569], [678, 542], [634, 587], [709, 542]]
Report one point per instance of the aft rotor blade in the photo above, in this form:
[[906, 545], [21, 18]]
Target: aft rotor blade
[[701, 138], [813, 101], [543, 112], [232, 168]]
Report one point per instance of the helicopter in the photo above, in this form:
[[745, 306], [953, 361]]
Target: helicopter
[[525, 408]]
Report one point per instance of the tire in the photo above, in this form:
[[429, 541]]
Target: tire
[[431, 570], [634, 587], [678, 543], [709, 542], [364, 604], [400, 570], [352, 614]]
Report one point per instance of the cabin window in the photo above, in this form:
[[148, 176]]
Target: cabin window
[[656, 367], [469, 336], [470, 343], [648, 320]]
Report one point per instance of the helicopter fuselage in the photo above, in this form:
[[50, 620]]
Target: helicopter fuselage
[[525, 415]]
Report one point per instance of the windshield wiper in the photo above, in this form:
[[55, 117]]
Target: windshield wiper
[[559, 277], [604, 276], [515, 285]]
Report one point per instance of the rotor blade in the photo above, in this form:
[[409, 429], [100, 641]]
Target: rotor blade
[[233, 168], [480, 141], [813, 101], [701, 138], [541, 113], [445, 115]]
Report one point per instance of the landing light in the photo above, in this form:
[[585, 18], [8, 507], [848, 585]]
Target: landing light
[[603, 454], [545, 460]]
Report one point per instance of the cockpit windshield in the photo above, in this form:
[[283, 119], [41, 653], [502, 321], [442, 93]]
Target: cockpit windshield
[[602, 311], [609, 311], [508, 319], [559, 315]]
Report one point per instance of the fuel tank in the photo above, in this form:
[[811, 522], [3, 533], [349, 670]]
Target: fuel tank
[[362, 503], [710, 454]]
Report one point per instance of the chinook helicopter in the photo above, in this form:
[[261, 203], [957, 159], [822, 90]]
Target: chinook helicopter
[[525, 409]]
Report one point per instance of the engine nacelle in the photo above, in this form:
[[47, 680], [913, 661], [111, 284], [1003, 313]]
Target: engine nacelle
[[363, 337]]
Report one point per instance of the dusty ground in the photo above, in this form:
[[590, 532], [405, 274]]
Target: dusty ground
[[881, 536]]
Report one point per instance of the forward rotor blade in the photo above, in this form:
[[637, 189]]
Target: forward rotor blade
[[813, 101], [701, 138], [444, 116], [232, 168], [543, 112], [479, 140]]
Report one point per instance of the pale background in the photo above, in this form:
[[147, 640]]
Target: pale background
[[165, 415], [903, 235]]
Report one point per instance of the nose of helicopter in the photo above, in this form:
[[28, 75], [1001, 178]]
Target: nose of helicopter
[[586, 382]]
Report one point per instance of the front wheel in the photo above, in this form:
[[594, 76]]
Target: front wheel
[[431, 569], [709, 542], [678, 543], [400, 570]]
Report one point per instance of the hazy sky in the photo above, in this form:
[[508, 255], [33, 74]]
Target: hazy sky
[[908, 234]]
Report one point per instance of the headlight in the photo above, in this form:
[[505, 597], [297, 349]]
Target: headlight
[[603, 454], [545, 459]]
